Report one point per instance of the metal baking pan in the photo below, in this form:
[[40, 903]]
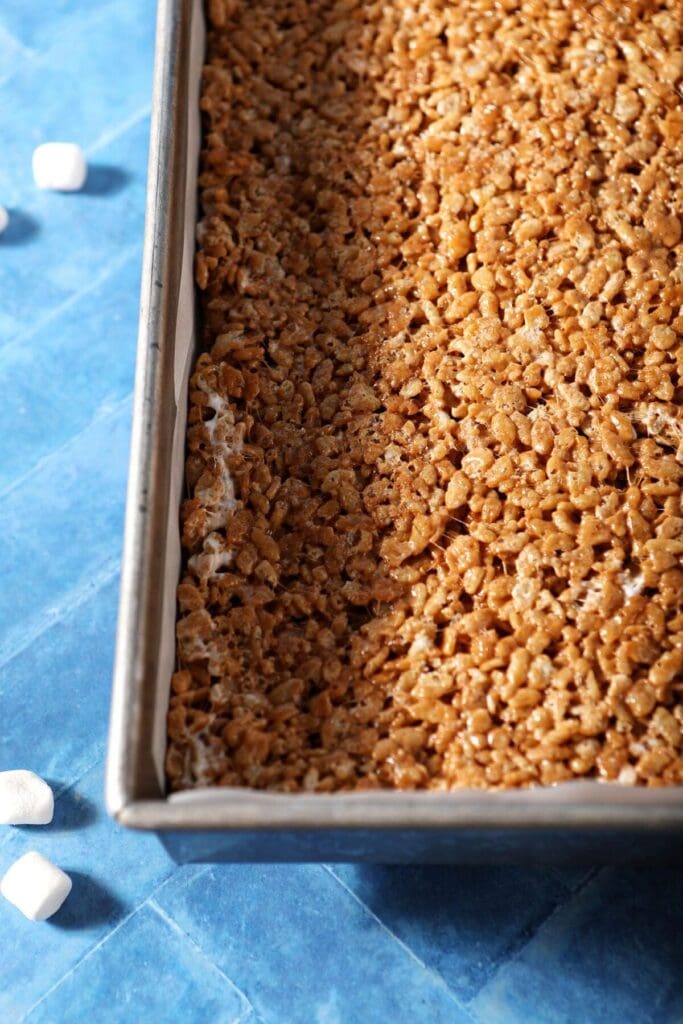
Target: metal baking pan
[[571, 822]]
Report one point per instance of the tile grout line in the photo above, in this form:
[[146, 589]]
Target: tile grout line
[[247, 1015], [101, 753], [515, 947], [411, 953], [93, 949], [204, 869], [108, 569], [103, 412], [72, 300], [120, 129], [73, 600], [42, 56], [513, 956], [190, 941], [86, 955], [105, 938], [27, 52], [65, 787]]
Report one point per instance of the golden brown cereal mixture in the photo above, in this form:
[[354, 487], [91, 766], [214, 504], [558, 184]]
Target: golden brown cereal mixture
[[435, 529]]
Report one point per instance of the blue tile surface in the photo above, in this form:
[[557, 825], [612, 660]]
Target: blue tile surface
[[269, 927], [111, 870], [141, 939], [98, 372], [62, 524], [613, 954], [12, 53], [179, 986], [462, 921], [58, 685]]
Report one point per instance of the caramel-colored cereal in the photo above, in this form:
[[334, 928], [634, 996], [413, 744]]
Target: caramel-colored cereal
[[434, 529]]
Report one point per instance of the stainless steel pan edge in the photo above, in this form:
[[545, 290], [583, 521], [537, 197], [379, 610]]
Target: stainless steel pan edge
[[130, 774], [595, 821]]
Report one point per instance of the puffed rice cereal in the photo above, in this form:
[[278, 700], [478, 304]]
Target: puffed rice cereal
[[435, 529]]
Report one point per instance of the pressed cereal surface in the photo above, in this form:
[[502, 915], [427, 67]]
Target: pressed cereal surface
[[434, 529]]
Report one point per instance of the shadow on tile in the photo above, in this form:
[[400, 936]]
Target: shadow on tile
[[105, 180], [89, 904], [20, 230], [431, 891], [72, 811], [464, 920], [614, 952]]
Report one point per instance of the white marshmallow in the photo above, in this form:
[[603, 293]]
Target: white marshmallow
[[36, 886], [59, 166], [25, 799], [4, 219]]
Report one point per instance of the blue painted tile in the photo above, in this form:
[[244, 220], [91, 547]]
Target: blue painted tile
[[572, 876], [69, 241], [74, 89], [108, 43], [461, 921], [115, 868], [121, 865], [612, 955], [302, 949], [13, 55], [54, 694], [112, 871], [86, 359], [61, 525], [36, 27], [146, 971]]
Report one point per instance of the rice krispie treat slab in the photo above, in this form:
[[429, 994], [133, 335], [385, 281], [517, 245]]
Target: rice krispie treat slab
[[435, 528]]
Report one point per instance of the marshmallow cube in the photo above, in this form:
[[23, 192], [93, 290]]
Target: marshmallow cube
[[59, 166], [35, 886], [4, 219], [25, 799]]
